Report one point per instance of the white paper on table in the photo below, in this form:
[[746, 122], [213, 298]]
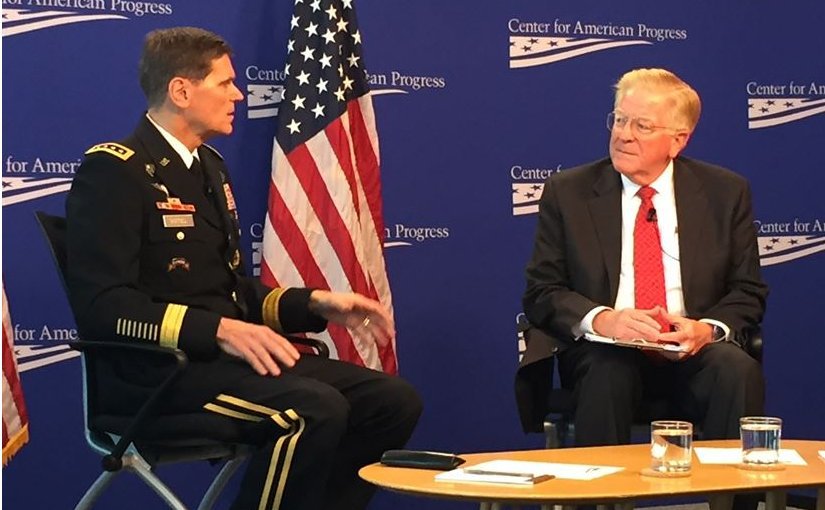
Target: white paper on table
[[508, 471], [822, 454], [709, 455]]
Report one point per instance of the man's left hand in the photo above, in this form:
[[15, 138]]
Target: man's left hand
[[364, 317], [690, 334]]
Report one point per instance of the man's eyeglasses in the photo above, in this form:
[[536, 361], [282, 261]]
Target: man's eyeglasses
[[639, 126]]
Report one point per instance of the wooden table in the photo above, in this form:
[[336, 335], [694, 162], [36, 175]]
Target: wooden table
[[718, 482]]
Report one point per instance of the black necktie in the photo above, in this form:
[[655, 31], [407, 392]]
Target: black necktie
[[200, 176]]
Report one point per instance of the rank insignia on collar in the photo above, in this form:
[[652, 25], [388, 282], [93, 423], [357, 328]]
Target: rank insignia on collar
[[177, 263], [164, 161], [174, 204], [230, 199], [150, 169]]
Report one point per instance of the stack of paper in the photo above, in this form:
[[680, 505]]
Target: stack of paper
[[519, 472], [708, 455]]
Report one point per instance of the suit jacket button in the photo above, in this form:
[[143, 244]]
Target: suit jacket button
[[180, 235]]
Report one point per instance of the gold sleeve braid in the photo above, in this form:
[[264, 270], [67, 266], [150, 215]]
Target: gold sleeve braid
[[269, 309], [171, 324]]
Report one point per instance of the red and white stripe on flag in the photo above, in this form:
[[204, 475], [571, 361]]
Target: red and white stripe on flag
[[324, 227], [15, 419]]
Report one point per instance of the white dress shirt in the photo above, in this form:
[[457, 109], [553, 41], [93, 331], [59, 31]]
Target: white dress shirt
[[664, 202]]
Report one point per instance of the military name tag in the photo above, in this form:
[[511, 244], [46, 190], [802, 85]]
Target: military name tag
[[178, 220]]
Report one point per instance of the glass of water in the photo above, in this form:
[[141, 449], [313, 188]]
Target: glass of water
[[671, 447], [761, 436]]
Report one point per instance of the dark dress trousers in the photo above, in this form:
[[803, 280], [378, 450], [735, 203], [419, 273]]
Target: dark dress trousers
[[153, 256], [575, 267]]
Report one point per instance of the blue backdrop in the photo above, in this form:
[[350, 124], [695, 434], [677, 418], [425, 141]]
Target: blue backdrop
[[476, 103]]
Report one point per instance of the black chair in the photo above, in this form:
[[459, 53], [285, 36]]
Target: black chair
[[560, 403], [141, 442]]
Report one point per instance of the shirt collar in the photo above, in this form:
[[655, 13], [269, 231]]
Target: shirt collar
[[663, 184], [176, 144]]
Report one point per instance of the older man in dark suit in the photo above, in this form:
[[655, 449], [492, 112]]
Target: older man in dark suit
[[649, 244]]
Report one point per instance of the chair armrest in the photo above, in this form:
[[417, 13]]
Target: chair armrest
[[318, 346], [113, 461], [752, 343]]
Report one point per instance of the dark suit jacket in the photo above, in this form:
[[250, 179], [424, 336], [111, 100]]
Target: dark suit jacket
[[140, 271], [577, 257]]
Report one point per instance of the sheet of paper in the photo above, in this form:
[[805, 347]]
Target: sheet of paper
[[638, 343], [517, 468], [822, 454], [708, 455]]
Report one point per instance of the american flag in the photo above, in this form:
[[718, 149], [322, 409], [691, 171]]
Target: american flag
[[324, 226], [15, 418]]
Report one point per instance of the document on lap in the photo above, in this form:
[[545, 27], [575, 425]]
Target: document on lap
[[636, 343], [518, 472]]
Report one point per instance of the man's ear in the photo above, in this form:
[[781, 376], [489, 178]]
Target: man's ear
[[679, 142], [179, 91]]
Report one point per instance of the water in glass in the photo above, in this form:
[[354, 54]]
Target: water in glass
[[670, 450], [760, 442]]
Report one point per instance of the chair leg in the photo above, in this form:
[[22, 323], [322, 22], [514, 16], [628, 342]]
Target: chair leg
[[215, 489], [551, 434], [137, 464], [97, 488]]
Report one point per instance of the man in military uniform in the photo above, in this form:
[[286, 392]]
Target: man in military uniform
[[153, 239]]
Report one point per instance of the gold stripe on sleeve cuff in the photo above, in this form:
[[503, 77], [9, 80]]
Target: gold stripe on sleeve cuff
[[269, 309], [171, 324]]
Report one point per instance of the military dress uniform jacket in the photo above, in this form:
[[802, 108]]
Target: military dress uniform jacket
[[153, 250]]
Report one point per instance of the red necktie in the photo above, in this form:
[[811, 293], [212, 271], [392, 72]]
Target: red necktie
[[647, 258]]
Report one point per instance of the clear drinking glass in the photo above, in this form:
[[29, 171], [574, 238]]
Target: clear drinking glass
[[671, 446], [761, 436]]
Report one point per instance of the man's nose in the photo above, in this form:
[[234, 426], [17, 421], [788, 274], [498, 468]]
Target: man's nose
[[238, 96]]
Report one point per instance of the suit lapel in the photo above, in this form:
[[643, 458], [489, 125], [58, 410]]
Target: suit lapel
[[692, 213], [606, 212], [171, 171]]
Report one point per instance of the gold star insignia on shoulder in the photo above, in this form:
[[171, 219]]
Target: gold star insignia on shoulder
[[115, 149]]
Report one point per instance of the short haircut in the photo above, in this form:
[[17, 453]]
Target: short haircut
[[186, 52], [685, 101]]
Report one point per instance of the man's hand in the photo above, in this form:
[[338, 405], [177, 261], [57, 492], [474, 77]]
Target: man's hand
[[628, 323], [363, 316], [690, 334], [258, 345]]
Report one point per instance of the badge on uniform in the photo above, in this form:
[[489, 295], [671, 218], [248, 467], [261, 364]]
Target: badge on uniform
[[174, 204], [164, 161], [178, 220], [150, 169], [177, 263], [236, 259], [162, 188], [230, 200]]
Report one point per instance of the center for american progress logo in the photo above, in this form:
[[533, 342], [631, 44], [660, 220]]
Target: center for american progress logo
[[535, 43], [265, 87], [778, 242], [775, 104], [40, 14]]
